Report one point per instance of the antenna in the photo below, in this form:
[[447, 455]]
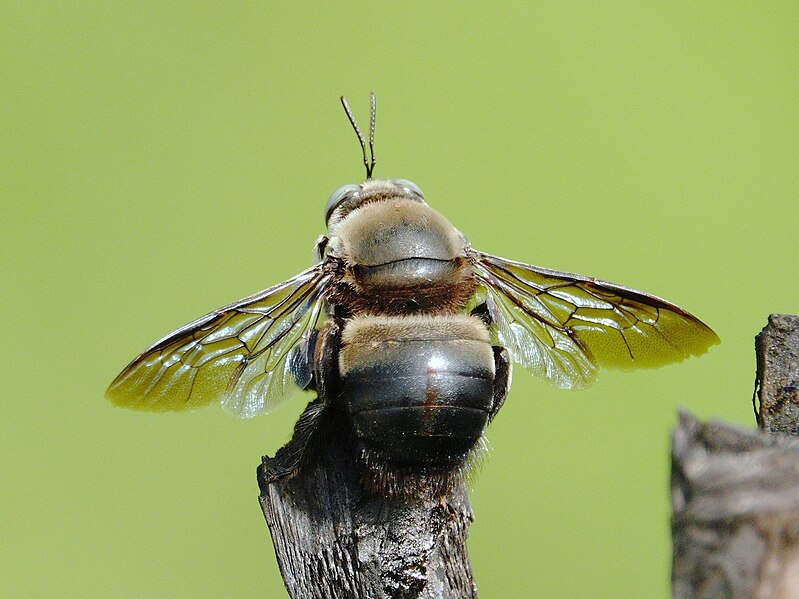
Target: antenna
[[368, 164]]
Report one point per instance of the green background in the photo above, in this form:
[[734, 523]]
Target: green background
[[160, 161]]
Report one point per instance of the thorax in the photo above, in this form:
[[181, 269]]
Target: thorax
[[401, 256]]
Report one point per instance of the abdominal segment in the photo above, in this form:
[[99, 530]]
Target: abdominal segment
[[418, 389]]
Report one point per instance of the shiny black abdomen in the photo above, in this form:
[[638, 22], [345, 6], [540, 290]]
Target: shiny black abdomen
[[418, 389]]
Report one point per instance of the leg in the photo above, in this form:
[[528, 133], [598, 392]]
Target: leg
[[290, 458], [502, 379], [310, 427], [326, 378]]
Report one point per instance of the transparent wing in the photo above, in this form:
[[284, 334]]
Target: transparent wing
[[563, 326], [237, 355]]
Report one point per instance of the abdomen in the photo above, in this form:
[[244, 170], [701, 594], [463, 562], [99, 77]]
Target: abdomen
[[418, 388]]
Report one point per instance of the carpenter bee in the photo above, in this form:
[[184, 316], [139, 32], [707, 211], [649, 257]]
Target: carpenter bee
[[406, 332]]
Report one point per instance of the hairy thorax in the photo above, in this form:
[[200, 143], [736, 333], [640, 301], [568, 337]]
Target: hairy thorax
[[400, 255]]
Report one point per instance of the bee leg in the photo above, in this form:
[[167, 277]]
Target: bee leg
[[502, 377], [309, 429], [326, 377], [290, 458], [481, 312]]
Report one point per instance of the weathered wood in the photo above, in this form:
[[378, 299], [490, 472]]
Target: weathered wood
[[777, 384], [334, 538], [735, 492]]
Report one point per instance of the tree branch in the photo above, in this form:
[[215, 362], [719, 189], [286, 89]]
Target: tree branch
[[777, 382], [735, 492], [333, 538]]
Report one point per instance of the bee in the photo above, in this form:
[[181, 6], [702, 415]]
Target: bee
[[405, 332]]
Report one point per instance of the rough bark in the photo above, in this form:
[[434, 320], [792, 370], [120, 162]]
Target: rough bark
[[777, 383], [335, 538], [735, 492]]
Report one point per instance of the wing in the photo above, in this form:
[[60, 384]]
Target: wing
[[563, 326], [237, 355]]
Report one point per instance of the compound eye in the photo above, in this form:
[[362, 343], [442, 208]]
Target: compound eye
[[409, 187], [338, 197]]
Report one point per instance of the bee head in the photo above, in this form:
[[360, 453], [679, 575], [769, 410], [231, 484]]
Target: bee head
[[351, 197]]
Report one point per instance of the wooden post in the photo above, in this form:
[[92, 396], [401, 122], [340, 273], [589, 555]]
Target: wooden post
[[735, 492], [333, 538]]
